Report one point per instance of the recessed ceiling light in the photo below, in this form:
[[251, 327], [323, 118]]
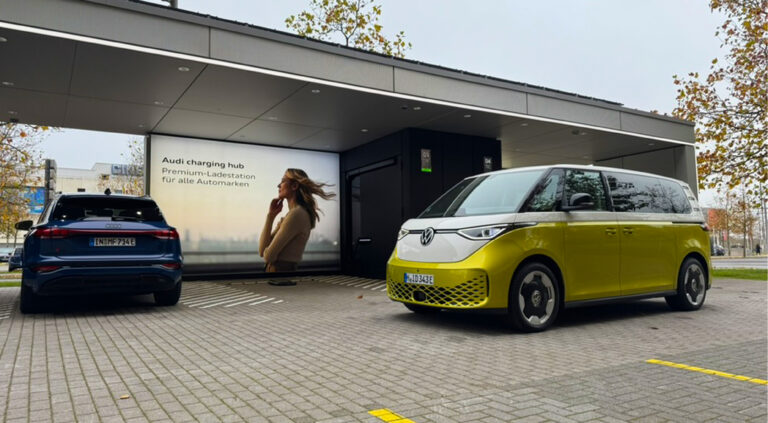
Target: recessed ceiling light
[[417, 108], [271, 118], [13, 112], [315, 91], [363, 130], [584, 157], [8, 83], [183, 69], [3, 39], [651, 144], [524, 124], [158, 103], [582, 133], [141, 125], [467, 116]]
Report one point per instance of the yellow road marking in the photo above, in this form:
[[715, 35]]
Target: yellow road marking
[[708, 371], [388, 416]]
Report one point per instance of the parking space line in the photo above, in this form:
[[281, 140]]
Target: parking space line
[[388, 416], [707, 371], [202, 300], [203, 297], [258, 297], [230, 299]]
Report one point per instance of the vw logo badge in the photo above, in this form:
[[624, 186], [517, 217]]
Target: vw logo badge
[[427, 235], [113, 226]]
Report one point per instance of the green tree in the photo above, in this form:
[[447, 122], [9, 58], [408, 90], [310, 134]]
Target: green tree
[[354, 23], [20, 169], [729, 104]]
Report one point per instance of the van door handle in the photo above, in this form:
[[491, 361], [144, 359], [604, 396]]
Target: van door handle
[[610, 231], [628, 231], [364, 240]]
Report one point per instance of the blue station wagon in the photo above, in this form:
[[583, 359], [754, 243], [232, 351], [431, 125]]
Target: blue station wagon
[[100, 244]]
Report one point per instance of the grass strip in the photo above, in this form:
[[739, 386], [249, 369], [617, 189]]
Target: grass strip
[[753, 274]]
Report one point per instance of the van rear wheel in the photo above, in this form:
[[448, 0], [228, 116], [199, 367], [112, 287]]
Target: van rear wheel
[[534, 298], [691, 287]]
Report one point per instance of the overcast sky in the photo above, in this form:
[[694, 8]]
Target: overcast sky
[[624, 51]]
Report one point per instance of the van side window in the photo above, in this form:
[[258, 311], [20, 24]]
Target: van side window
[[645, 194], [587, 182], [545, 196]]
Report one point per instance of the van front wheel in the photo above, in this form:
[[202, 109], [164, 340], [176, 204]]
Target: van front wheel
[[691, 287], [534, 298]]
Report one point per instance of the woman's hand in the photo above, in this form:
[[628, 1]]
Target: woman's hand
[[275, 207]]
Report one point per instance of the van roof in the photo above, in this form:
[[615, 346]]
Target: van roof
[[585, 167]]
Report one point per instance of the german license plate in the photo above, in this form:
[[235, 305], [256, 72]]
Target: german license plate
[[113, 242], [419, 279]]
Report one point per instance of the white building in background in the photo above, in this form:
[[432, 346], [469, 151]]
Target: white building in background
[[94, 180]]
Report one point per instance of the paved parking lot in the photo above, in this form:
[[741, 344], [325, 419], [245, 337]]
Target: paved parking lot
[[335, 349]]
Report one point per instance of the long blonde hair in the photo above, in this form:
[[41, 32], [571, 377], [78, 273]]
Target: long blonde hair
[[308, 188]]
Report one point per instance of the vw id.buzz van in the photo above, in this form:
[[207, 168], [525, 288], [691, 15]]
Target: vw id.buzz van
[[531, 241]]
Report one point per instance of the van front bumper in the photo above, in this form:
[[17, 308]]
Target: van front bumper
[[460, 285]]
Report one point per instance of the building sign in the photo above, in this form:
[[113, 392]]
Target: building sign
[[487, 163], [36, 199], [128, 170], [426, 160]]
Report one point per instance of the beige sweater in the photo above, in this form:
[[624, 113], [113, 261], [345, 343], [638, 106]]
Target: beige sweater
[[286, 243]]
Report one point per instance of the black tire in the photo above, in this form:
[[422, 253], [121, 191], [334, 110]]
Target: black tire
[[420, 309], [691, 286], [29, 302], [534, 298], [168, 298]]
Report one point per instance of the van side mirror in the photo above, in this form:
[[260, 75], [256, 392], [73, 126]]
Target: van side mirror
[[24, 225], [579, 201]]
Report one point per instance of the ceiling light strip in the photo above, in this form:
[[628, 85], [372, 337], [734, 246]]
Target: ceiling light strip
[[251, 68]]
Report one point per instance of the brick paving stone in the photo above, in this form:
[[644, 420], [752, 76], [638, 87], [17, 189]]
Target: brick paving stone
[[324, 355]]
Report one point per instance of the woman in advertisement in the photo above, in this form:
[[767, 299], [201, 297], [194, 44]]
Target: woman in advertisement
[[282, 248]]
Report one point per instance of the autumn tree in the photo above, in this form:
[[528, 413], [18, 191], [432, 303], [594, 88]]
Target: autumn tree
[[20, 169], [132, 180], [729, 104], [354, 23]]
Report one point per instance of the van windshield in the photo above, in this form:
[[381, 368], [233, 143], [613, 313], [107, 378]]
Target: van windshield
[[487, 194]]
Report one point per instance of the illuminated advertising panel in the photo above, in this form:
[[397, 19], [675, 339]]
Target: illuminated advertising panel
[[217, 194]]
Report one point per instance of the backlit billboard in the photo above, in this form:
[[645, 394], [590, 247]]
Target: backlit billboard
[[217, 195]]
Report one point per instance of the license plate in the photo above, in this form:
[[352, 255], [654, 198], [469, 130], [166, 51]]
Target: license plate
[[113, 242], [419, 279]]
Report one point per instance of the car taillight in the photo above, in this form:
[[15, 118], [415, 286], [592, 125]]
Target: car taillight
[[704, 227], [43, 269], [172, 266], [51, 233], [166, 234]]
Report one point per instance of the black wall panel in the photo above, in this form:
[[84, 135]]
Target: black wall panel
[[408, 190]]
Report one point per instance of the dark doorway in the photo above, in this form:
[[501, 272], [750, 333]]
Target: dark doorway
[[375, 216]]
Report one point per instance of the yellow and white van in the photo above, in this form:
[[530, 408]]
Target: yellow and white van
[[530, 241]]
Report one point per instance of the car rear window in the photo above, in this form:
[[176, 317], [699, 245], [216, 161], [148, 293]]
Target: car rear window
[[107, 208]]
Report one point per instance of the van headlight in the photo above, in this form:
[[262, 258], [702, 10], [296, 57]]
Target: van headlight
[[483, 232], [402, 234]]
